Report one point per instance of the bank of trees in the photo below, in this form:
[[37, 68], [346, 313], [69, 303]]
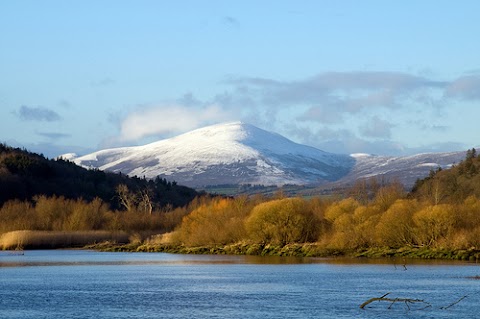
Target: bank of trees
[[443, 210], [25, 175], [338, 224], [344, 224], [62, 214], [451, 185]]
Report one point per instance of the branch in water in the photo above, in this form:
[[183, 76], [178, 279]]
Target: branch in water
[[392, 300], [453, 304]]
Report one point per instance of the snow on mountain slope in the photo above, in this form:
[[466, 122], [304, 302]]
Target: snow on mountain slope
[[240, 153], [405, 169], [232, 153]]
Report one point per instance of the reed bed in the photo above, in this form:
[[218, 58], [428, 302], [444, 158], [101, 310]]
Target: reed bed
[[28, 239]]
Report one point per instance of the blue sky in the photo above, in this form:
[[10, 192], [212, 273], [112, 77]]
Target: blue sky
[[382, 77]]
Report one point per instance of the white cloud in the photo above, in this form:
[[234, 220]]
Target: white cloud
[[174, 119]]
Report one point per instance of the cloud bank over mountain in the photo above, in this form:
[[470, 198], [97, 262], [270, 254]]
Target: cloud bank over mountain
[[342, 112]]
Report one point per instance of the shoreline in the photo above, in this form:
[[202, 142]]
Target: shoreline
[[123, 242], [296, 250]]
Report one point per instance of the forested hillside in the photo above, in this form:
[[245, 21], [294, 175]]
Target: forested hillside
[[25, 175], [451, 185]]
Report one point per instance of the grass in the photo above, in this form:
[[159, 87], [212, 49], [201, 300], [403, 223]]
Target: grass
[[28, 239], [296, 250], [121, 241]]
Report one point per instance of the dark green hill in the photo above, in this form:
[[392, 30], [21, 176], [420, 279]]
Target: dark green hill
[[24, 175], [451, 185]]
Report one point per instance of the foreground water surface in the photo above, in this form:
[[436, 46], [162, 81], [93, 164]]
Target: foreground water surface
[[88, 284]]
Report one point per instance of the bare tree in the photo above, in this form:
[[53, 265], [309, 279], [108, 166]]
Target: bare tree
[[126, 198], [145, 201]]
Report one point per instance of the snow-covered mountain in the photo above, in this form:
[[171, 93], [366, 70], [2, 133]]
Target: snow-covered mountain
[[405, 169], [240, 153], [232, 153]]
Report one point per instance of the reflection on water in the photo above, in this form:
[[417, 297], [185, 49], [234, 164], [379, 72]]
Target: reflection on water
[[85, 258], [88, 284]]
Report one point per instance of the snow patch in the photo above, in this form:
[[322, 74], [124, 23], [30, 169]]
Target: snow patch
[[360, 155], [428, 165]]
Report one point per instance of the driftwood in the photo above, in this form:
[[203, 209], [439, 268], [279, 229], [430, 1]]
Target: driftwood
[[453, 304], [407, 301]]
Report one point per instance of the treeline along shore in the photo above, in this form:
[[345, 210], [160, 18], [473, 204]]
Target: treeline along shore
[[438, 218]]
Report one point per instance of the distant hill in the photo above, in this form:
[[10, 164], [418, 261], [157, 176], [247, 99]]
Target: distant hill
[[451, 185], [24, 175], [403, 169], [240, 154]]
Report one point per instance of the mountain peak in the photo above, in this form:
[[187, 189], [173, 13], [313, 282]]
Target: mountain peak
[[227, 153], [241, 153], [231, 130]]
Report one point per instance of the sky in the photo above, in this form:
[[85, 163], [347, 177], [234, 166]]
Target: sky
[[379, 77]]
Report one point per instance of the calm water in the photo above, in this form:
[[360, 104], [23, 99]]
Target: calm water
[[86, 284]]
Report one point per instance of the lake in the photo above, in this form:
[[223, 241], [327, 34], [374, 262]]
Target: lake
[[89, 284]]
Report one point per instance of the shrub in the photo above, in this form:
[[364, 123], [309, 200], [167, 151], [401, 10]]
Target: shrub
[[15, 215], [434, 223], [396, 227]]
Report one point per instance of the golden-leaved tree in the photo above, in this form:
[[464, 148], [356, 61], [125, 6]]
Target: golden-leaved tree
[[396, 227], [220, 221], [434, 224], [283, 221]]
